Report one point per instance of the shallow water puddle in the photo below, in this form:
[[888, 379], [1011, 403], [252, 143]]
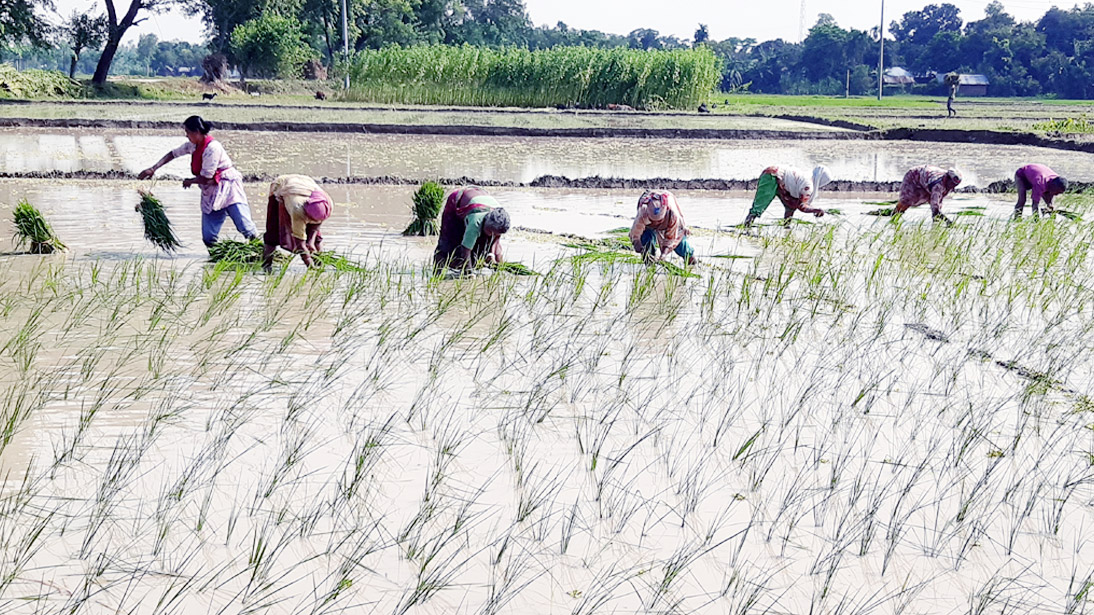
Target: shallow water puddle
[[523, 160]]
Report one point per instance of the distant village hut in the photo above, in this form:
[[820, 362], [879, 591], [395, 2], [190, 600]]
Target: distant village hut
[[969, 85], [897, 77]]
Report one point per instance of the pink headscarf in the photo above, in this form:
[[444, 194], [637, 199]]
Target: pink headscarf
[[318, 207]]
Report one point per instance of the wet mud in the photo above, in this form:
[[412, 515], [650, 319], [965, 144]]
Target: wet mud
[[987, 137], [454, 130]]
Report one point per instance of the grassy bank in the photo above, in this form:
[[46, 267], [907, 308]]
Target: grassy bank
[[579, 76]]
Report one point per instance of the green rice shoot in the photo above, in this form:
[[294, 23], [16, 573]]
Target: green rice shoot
[[514, 269], [157, 228], [31, 228]]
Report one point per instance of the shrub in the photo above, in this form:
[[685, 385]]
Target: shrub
[[33, 83], [271, 46]]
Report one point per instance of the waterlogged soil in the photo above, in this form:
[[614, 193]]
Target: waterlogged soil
[[337, 113], [522, 160], [600, 440], [96, 218]]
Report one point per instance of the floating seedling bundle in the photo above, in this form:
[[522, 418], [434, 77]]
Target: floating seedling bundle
[[31, 228], [157, 228], [428, 203]]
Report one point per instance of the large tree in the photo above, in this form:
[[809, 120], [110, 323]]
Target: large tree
[[116, 27], [83, 31], [21, 23], [919, 27]]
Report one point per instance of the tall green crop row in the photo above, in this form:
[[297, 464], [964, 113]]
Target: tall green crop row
[[581, 76]]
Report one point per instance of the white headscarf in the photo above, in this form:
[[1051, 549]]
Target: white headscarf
[[796, 183], [821, 178]]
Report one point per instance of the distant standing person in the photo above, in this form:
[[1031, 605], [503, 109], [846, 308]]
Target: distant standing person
[[221, 184], [471, 228], [795, 190], [950, 111], [927, 184], [1043, 182], [659, 225], [295, 208]]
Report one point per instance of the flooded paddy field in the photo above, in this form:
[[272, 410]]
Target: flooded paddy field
[[856, 415], [521, 160], [342, 113], [973, 113]]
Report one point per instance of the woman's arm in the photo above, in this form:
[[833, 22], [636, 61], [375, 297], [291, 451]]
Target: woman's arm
[[150, 171], [200, 181]]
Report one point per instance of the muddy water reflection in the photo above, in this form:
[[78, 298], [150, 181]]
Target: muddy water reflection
[[522, 160], [96, 218]]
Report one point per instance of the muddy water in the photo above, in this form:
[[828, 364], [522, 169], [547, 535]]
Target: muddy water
[[96, 218], [487, 461], [523, 160]]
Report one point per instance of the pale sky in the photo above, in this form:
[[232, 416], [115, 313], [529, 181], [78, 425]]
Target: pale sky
[[760, 20]]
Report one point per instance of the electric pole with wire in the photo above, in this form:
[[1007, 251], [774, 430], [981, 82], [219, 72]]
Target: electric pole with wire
[[881, 53], [345, 40]]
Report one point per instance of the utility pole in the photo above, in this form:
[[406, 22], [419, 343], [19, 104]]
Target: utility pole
[[881, 53], [345, 41], [801, 23]]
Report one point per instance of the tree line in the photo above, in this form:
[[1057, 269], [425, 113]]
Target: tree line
[[1053, 55]]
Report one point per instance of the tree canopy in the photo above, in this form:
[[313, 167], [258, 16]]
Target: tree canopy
[[1051, 56]]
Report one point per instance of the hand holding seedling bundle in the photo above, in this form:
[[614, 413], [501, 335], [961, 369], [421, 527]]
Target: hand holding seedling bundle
[[157, 228]]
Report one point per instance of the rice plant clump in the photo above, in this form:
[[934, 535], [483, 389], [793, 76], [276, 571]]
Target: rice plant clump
[[239, 252], [428, 203], [31, 228], [249, 253], [157, 228]]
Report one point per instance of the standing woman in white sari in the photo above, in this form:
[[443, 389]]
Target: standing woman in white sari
[[221, 184]]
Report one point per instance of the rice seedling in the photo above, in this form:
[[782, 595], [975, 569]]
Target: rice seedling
[[157, 228], [31, 228], [903, 400], [517, 269], [428, 203]]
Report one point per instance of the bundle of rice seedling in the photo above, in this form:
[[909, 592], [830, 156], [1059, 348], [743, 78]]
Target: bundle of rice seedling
[[884, 212], [514, 268], [337, 262], [428, 203], [157, 228], [248, 253], [239, 252], [594, 254], [1070, 215], [31, 227]]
